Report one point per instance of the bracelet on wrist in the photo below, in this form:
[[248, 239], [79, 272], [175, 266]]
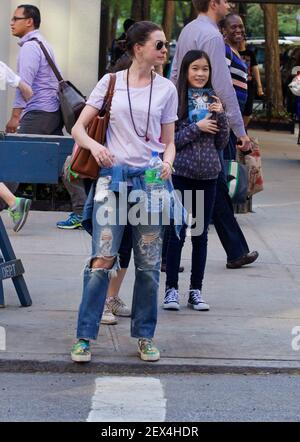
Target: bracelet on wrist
[[171, 165]]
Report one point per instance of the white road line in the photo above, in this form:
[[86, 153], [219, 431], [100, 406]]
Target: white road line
[[128, 399]]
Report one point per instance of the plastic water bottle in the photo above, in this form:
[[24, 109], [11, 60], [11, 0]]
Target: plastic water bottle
[[154, 184]]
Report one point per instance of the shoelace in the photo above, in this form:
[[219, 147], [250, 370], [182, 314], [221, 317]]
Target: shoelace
[[195, 296], [14, 214], [81, 346], [171, 295], [145, 344], [115, 302]]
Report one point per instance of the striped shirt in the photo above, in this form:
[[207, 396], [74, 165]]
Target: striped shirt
[[239, 74]]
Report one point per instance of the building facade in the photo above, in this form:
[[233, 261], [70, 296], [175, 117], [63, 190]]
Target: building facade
[[72, 27]]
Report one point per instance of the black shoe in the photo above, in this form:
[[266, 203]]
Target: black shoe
[[249, 258], [163, 268]]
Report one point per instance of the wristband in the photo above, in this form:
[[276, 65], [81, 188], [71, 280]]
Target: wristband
[[171, 166]]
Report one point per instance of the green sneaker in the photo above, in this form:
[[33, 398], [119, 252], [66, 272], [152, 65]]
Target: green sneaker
[[19, 213], [148, 351], [81, 351]]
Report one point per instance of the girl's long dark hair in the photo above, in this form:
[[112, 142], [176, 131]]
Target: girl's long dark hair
[[183, 83]]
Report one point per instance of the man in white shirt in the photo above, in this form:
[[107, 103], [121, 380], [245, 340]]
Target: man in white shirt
[[18, 208]]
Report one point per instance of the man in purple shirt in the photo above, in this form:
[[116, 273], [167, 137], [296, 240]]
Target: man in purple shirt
[[41, 114]]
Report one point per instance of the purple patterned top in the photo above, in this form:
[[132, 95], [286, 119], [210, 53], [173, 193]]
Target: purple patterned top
[[196, 151]]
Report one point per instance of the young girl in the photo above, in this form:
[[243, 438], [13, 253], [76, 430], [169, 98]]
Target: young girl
[[197, 166], [143, 113]]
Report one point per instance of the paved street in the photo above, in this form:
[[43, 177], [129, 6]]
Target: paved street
[[194, 398], [253, 326]]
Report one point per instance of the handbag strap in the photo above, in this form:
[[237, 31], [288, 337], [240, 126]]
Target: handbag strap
[[49, 59], [109, 94]]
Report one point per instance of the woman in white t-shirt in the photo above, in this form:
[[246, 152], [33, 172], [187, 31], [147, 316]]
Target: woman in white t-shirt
[[143, 113]]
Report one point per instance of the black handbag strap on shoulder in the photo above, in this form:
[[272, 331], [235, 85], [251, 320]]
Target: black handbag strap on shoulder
[[49, 59]]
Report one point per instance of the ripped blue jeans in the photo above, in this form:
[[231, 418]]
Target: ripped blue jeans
[[106, 240]]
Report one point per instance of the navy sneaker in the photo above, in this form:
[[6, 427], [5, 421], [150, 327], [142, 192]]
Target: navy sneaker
[[73, 222], [171, 300], [196, 302]]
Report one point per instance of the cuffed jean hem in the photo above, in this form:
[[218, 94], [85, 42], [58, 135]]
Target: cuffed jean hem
[[87, 336], [138, 336]]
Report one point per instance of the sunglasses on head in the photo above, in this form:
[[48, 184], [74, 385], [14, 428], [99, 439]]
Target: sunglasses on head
[[160, 44]]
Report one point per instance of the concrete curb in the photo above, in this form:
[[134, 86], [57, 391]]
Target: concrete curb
[[166, 366]]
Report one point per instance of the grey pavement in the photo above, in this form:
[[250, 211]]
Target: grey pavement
[[253, 310], [57, 397]]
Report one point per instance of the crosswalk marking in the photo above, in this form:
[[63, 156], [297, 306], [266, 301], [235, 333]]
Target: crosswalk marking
[[128, 399]]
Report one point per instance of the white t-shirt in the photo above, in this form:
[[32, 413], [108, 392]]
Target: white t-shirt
[[121, 139], [7, 76]]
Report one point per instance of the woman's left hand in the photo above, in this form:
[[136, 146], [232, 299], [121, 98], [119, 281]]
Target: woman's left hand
[[166, 171], [216, 106]]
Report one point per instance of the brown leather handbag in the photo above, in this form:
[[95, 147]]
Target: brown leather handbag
[[83, 163]]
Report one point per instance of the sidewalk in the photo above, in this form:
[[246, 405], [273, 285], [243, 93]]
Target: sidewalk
[[253, 310]]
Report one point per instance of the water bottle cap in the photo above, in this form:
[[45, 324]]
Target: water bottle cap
[[154, 153]]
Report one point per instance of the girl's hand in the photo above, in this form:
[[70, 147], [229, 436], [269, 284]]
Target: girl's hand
[[102, 156], [208, 126], [166, 171], [216, 106]]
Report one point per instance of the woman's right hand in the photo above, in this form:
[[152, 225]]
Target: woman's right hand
[[102, 155], [208, 126]]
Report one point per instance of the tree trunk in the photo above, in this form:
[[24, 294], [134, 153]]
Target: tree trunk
[[272, 59], [104, 36], [114, 22], [140, 10], [168, 18]]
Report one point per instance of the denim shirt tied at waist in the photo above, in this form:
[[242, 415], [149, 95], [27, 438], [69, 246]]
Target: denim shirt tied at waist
[[121, 173]]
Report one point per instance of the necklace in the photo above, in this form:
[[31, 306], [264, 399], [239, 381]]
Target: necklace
[[149, 106]]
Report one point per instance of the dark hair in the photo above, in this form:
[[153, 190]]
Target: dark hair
[[183, 83], [224, 22], [139, 33], [202, 5], [127, 23], [33, 12]]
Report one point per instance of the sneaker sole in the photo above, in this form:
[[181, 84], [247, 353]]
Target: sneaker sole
[[19, 226], [171, 306], [78, 358], [148, 358], [69, 227], [198, 308]]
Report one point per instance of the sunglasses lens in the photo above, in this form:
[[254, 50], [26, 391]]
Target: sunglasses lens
[[160, 44]]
